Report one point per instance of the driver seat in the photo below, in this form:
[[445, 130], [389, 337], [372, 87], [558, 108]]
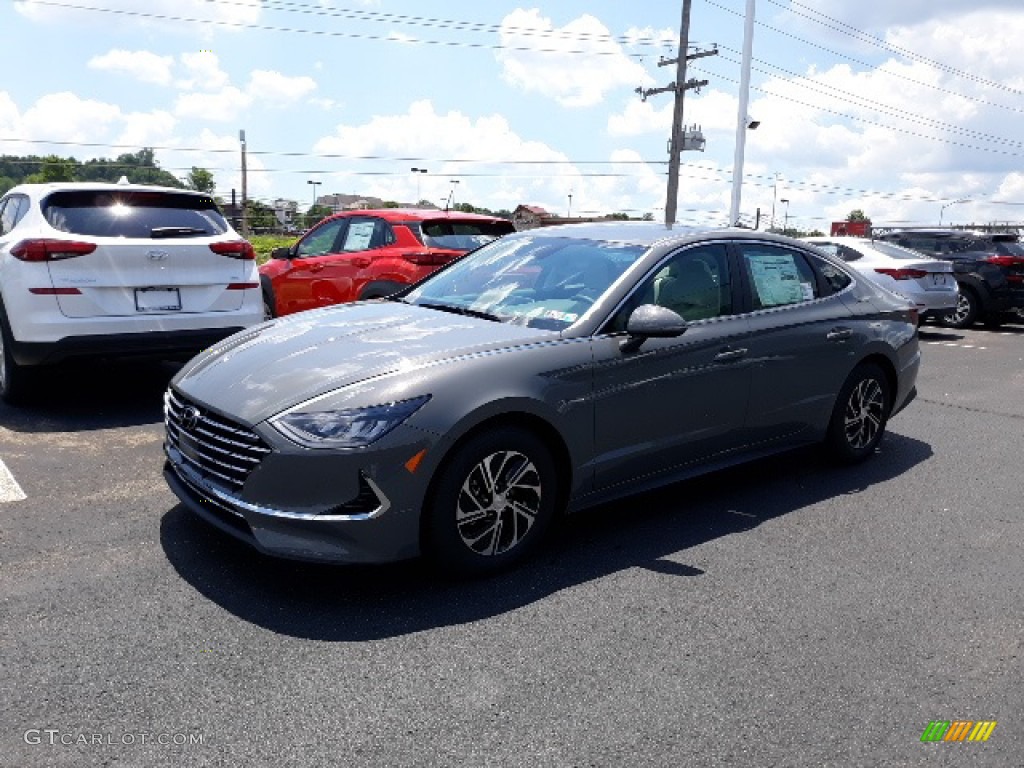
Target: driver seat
[[688, 289]]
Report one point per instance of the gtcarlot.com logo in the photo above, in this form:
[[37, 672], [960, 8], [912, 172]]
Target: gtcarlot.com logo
[[55, 737], [958, 730]]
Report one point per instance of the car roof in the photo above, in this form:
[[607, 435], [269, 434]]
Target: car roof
[[70, 186], [649, 233], [416, 214]]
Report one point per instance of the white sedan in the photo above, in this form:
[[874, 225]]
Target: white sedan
[[927, 282]]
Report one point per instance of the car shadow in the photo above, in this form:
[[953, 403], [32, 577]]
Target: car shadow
[[653, 531], [85, 396], [938, 334]]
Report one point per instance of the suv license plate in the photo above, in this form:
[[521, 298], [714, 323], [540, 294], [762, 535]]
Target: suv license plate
[[157, 299]]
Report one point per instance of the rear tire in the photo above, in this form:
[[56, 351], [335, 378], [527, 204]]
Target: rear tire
[[968, 308], [16, 381], [491, 504], [860, 414], [268, 307]]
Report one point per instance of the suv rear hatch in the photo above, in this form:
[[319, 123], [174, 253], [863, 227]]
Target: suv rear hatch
[[447, 238], [154, 253]]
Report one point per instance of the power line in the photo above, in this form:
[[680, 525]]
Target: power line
[[861, 35], [867, 65], [858, 100], [871, 122], [324, 32]]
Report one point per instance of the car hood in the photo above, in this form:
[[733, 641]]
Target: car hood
[[262, 371]]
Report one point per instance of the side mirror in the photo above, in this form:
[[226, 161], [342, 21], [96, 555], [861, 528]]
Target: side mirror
[[650, 321], [281, 253]]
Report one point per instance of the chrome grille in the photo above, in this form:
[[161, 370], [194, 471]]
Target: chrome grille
[[217, 448]]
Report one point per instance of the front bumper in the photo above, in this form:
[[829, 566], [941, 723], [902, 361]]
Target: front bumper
[[319, 508]]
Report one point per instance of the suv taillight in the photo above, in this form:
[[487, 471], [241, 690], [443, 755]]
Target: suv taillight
[[46, 249], [1005, 261], [903, 274], [427, 259], [235, 249]]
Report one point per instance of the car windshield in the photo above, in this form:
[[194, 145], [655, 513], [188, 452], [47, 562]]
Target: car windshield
[[461, 235], [137, 214], [541, 282]]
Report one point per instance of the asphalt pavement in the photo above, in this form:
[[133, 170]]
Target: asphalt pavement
[[787, 613]]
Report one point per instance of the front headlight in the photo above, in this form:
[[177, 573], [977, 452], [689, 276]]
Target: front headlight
[[348, 428]]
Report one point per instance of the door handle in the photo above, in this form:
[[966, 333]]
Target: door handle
[[361, 262], [316, 268], [728, 355], [839, 334]]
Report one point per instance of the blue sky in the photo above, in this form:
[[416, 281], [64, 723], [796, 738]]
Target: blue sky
[[906, 110]]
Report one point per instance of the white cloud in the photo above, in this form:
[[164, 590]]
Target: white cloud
[[204, 72], [146, 129], [68, 117], [422, 132], [222, 105], [576, 65], [277, 89], [142, 65]]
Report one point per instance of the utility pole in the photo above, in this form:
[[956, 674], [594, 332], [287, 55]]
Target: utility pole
[[678, 140], [245, 214]]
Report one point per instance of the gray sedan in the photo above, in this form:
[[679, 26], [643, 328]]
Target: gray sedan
[[544, 373]]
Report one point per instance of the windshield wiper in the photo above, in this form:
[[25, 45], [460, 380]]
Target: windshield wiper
[[176, 232], [457, 310]]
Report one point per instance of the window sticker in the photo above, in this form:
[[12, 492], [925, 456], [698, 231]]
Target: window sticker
[[359, 234], [777, 279]]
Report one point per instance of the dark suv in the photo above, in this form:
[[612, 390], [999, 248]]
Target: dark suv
[[989, 269]]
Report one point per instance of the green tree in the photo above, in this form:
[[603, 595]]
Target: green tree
[[259, 216], [316, 214], [648, 216], [200, 180], [856, 215], [6, 182], [53, 169]]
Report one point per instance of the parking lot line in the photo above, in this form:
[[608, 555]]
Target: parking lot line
[[9, 488]]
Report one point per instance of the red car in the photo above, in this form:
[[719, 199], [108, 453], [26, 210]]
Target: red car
[[359, 255]]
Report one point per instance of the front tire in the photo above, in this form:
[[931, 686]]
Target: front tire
[[860, 414], [492, 501]]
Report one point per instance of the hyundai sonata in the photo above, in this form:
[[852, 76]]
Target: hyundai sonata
[[544, 373]]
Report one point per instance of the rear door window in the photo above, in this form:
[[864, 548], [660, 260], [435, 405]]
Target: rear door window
[[133, 213], [12, 211], [778, 276]]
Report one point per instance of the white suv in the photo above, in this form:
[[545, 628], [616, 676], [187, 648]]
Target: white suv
[[96, 269]]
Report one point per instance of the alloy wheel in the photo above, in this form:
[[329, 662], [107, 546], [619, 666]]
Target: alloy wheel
[[961, 312], [865, 413], [498, 503]]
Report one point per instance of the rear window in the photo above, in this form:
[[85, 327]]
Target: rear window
[[136, 214], [460, 235], [895, 251]]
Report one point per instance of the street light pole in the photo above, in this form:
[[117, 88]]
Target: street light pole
[[785, 225], [418, 171], [451, 195], [569, 214], [315, 185]]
